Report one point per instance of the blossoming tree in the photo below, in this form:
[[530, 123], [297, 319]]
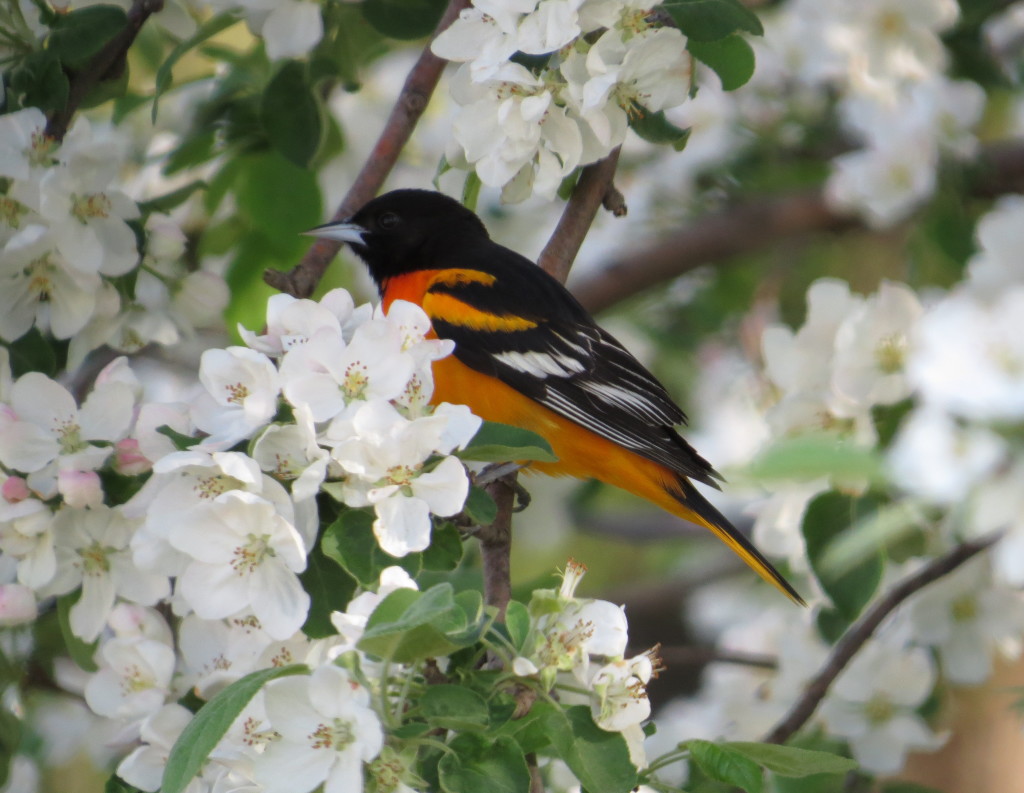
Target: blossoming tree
[[252, 556]]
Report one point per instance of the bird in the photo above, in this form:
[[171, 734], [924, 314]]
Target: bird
[[529, 355]]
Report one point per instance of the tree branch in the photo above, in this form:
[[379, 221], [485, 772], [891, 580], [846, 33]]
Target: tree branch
[[592, 191], [105, 64], [859, 633], [302, 279], [496, 545], [758, 223]]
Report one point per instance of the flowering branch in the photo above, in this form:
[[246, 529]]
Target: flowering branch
[[106, 64], [856, 636], [593, 190], [301, 280], [759, 223]]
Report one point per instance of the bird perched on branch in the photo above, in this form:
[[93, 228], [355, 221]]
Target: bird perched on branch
[[528, 354]]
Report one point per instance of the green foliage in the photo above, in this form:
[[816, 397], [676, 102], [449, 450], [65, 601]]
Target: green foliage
[[33, 352], [82, 653], [404, 19], [349, 541], [792, 761], [210, 28], [480, 507], [809, 457], [39, 81], [599, 759], [292, 115], [711, 20], [655, 128], [496, 442], [76, 36], [454, 708], [826, 518], [330, 588], [727, 765], [731, 58], [477, 764], [211, 723], [410, 626]]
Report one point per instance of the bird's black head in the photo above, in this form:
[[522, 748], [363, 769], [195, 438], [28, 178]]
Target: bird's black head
[[406, 230]]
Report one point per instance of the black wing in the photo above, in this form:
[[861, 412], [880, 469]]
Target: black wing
[[561, 358]]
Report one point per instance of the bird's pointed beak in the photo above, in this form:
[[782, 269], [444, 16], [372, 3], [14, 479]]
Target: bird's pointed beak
[[343, 231]]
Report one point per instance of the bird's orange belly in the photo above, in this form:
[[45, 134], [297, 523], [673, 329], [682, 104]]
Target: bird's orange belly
[[581, 453]]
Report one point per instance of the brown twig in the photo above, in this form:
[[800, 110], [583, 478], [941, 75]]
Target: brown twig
[[496, 546], [105, 64], [591, 191], [302, 279], [699, 656], [862, 630], [757, 224]]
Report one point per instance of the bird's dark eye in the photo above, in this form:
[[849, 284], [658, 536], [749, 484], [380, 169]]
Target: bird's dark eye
[[388, 220]]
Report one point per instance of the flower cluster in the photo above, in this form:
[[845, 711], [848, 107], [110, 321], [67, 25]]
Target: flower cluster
[[525, 130], [331, 396], [71, 261], [582, 642]]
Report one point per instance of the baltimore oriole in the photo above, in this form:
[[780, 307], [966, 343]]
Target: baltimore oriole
[[528, 354]]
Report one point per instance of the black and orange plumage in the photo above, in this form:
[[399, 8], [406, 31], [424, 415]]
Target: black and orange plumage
[[528, 354]]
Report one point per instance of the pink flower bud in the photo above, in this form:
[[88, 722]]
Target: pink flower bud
[[128, 460], [17, 605], [14, 489]]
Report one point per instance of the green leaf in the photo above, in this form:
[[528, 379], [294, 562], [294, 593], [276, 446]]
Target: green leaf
[[655, 128], [882, 528], [210, 724], [888, 419], [726, 765], [80, 34], [173, 199], [809, 457], [445, 550], [480, 507], [33, 352], [517, 622], [477, 765], [826, 518], [454, 708], [409, 626], [81, 652], [789, 761], [471, 191], [731, 58], [11, 732], [494, 443], [907, 787], [117, 785], [261, 181], [404, 19], [180, 440], [39, 81], [599, 759], [710, 20], [291, 114], [330, 589], [350, 542], [207, 30]]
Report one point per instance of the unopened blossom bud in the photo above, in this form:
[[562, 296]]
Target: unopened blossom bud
[[17, 605], [14, 489], [128, 460]]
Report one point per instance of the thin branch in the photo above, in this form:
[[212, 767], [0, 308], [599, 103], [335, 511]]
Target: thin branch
[[592, 190], [859, 633], [106, 64], [757, 224], [419, 86], [699, 656], [496, 545]]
